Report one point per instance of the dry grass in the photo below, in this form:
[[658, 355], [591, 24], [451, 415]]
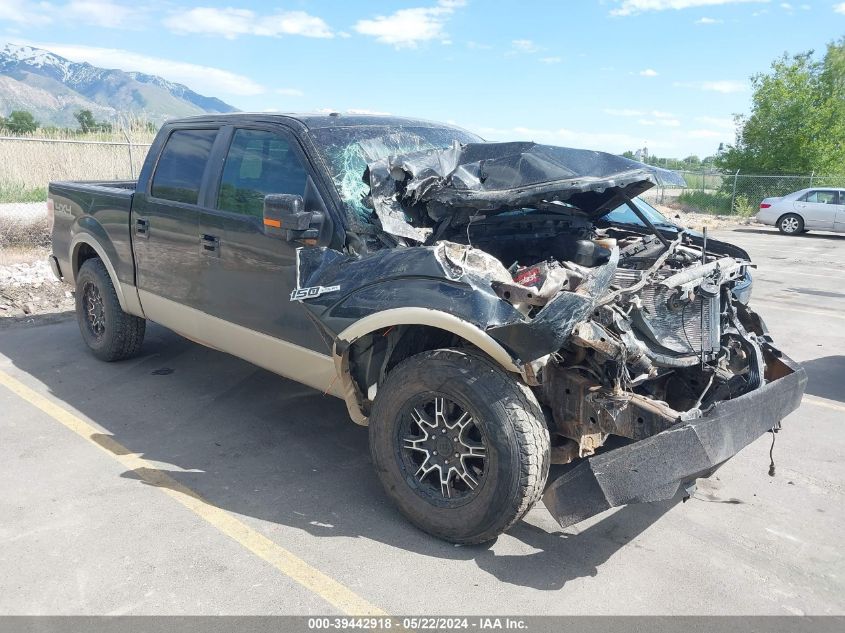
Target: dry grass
[[20, 232], [26, 166]]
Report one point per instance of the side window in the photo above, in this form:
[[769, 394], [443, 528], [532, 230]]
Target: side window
[[258, 163], [821, 197], [178, 174]]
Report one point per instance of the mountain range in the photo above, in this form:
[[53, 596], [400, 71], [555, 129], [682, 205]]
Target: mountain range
[[53, 88]]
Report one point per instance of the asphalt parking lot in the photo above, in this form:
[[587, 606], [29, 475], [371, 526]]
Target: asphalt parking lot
[[189, 482]]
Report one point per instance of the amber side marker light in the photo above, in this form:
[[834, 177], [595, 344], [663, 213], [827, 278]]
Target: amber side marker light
[[274, 223]]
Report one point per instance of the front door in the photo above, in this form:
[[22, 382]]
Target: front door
[[248, 275]]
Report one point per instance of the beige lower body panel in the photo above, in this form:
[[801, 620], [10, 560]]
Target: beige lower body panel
[[286, 359]]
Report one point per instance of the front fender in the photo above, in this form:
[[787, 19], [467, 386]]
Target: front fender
[[432, 318], [411, 316]]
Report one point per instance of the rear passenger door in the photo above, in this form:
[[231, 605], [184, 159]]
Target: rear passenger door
[[818, 208], [165, 229], [248, 276]]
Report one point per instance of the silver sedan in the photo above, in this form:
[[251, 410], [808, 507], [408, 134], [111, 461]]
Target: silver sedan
[[816, 208]]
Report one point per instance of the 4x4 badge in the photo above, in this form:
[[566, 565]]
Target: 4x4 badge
[[310, 293]]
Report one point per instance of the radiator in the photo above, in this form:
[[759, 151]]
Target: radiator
[[684, 329]]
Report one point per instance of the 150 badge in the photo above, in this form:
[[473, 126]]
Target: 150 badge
[[310, 293]]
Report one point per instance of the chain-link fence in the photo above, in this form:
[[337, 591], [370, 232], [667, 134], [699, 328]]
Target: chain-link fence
[[709, 191], [27, 164]]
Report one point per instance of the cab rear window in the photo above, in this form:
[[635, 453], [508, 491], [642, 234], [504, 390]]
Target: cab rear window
[[178, 175]]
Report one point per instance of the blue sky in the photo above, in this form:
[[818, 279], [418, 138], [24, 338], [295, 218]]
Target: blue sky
[[602, 74]]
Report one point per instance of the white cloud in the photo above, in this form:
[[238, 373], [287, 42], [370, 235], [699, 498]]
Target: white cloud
[[699, 134], [607, 141], [786, 6], [664, 120], [551, 60], [24, 12], [707, 20], [100, 13], [203, 79], [105, 13], [724, 123], [623, 112], [289, 92], [725, 86], [406, 28], [352, 111], [633, 7], [366, 111], [658, 116], [231, 23], [839, 8], [525, 46], [648, 72]]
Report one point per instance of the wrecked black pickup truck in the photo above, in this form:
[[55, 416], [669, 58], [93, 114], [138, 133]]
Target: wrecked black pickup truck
[[488, 309]]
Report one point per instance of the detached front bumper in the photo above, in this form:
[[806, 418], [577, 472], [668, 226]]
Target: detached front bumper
[[656, 468]]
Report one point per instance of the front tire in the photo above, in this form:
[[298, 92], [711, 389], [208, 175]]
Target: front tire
[[791, 224], [460, 445], [109, 332]]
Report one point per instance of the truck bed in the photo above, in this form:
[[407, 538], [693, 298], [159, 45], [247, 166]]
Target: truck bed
[[100, 209]]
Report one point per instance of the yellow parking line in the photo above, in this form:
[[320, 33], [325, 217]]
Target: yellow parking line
[[821, 402], [289, 564]]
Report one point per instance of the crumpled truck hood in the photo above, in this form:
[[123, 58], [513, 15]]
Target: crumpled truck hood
[[411, 192]]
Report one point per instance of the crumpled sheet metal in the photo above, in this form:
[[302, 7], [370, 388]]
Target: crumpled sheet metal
[[493, 177], [387, 205], [549, 329], [656, 468]]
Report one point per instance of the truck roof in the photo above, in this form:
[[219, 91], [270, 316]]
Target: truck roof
[[312, 120]]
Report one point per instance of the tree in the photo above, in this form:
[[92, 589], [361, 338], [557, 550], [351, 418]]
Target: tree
[[797, 119], [86, 121], [88, 124], [20, 122]]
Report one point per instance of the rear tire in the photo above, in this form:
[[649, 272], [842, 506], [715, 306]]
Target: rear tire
[[488, 425], [791, 224], [109, 332]]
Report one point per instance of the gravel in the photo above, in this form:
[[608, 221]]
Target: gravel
[[28, 287], [698, 220], [23, 210]]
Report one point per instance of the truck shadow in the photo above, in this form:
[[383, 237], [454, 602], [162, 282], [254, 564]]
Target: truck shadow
[[825, 377], [260, 446]]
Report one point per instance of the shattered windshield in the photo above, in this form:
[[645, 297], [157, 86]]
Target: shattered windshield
[[347, 150]]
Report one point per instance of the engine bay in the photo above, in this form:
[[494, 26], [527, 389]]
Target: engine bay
[[663, 340]]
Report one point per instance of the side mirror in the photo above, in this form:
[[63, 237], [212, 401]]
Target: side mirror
[[285, 216]]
